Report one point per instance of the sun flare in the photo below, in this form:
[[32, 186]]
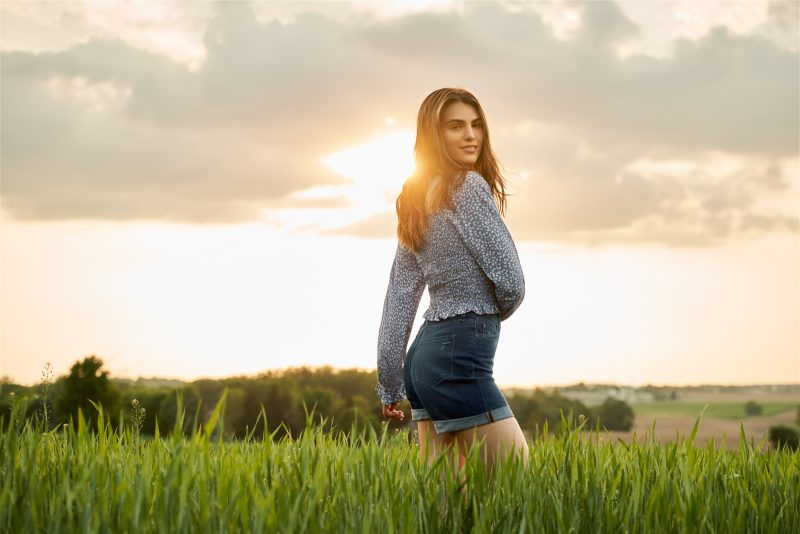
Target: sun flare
[[377, 167]]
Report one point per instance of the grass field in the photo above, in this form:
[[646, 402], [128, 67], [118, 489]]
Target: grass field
[[723, 419], [71, 480], [723, 410]]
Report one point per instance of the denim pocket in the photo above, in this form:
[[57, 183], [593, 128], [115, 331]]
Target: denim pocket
[[433, 359], [489, 325], [486, 342]]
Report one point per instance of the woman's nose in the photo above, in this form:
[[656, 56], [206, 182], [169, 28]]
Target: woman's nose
[[469, 133]]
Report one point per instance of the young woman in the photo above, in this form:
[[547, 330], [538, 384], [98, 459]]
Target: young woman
[[452, 239]]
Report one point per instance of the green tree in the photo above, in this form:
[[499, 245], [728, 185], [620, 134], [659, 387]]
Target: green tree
[[326, 403], [150, 399], [360, 415], [615, 414], [234, 411], [753, 408], [533, 410], [168, 410], [783, 436], [86, 381]]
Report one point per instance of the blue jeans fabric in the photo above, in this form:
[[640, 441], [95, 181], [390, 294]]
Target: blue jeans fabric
[[448, 372]]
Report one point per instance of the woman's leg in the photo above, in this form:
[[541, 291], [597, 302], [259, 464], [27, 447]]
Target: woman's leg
[[431, 443], [501, 438]]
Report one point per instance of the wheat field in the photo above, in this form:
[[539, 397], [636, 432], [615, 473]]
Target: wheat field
[[73, 480]]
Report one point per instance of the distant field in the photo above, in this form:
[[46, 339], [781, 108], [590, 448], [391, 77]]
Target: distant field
[[722, 410]]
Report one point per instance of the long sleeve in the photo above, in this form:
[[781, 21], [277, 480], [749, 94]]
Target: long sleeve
[[406, 285], [488, 240]]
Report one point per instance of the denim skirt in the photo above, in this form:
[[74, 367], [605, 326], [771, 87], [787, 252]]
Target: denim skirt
[[448, 369]]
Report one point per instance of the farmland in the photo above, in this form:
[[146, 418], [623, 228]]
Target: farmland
[[723, 413]]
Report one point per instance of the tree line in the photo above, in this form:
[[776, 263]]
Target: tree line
[[273, 403]]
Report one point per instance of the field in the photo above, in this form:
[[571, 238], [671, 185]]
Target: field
[[73, 480], [720, 421], [716, 410]]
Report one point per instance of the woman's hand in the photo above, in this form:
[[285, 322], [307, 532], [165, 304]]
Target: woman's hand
[[392, 411]]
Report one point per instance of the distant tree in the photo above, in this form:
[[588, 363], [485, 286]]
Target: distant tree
[[753, 408], [533, 410], [11, 394], [797, 419], [86, 381], [167, 414], [234, 420], [783, 436], [673, 395], [659, 393], [150, 399], [615, 414], [361, 414], [324, 401]]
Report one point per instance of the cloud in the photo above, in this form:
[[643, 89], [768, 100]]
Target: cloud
[[784, 14], [103, 129], [782, 24]]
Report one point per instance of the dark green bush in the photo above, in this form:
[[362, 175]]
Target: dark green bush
[[615, 414], [753, 408], [783, 436]]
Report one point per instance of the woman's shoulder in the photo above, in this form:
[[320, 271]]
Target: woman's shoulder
[[474, 184]]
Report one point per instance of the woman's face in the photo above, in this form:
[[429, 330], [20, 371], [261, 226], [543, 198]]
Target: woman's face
[[463, 133]]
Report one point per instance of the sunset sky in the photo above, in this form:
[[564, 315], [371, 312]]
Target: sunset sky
[[195, 189]]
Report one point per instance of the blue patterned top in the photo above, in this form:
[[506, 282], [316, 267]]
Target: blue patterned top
[[469, 263]]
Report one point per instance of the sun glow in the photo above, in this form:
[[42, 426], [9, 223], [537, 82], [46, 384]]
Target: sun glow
[[384, 162], [376, 170], [377, 167]]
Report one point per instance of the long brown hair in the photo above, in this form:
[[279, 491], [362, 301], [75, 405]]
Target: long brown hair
[[432, 160]]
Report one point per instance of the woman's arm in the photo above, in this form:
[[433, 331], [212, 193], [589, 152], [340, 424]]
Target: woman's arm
[[406, 285], [488, 240]]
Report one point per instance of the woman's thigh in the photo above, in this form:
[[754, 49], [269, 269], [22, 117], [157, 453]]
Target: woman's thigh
[[431, 444], [428, 437], [441, 444], [499, 440]]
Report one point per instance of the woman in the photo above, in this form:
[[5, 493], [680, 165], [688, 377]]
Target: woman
[[452, 239]]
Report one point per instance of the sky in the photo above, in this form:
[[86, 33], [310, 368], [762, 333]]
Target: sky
[[206, 189]]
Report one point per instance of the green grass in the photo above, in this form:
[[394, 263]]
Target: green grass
[[72, 480], [724, 410]]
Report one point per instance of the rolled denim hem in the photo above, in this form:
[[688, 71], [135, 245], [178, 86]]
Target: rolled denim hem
[[419, 413], [451, 425]]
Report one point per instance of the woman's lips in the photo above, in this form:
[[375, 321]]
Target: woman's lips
[[470, 149]]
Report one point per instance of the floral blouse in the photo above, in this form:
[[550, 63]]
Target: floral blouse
[[468, 262]]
